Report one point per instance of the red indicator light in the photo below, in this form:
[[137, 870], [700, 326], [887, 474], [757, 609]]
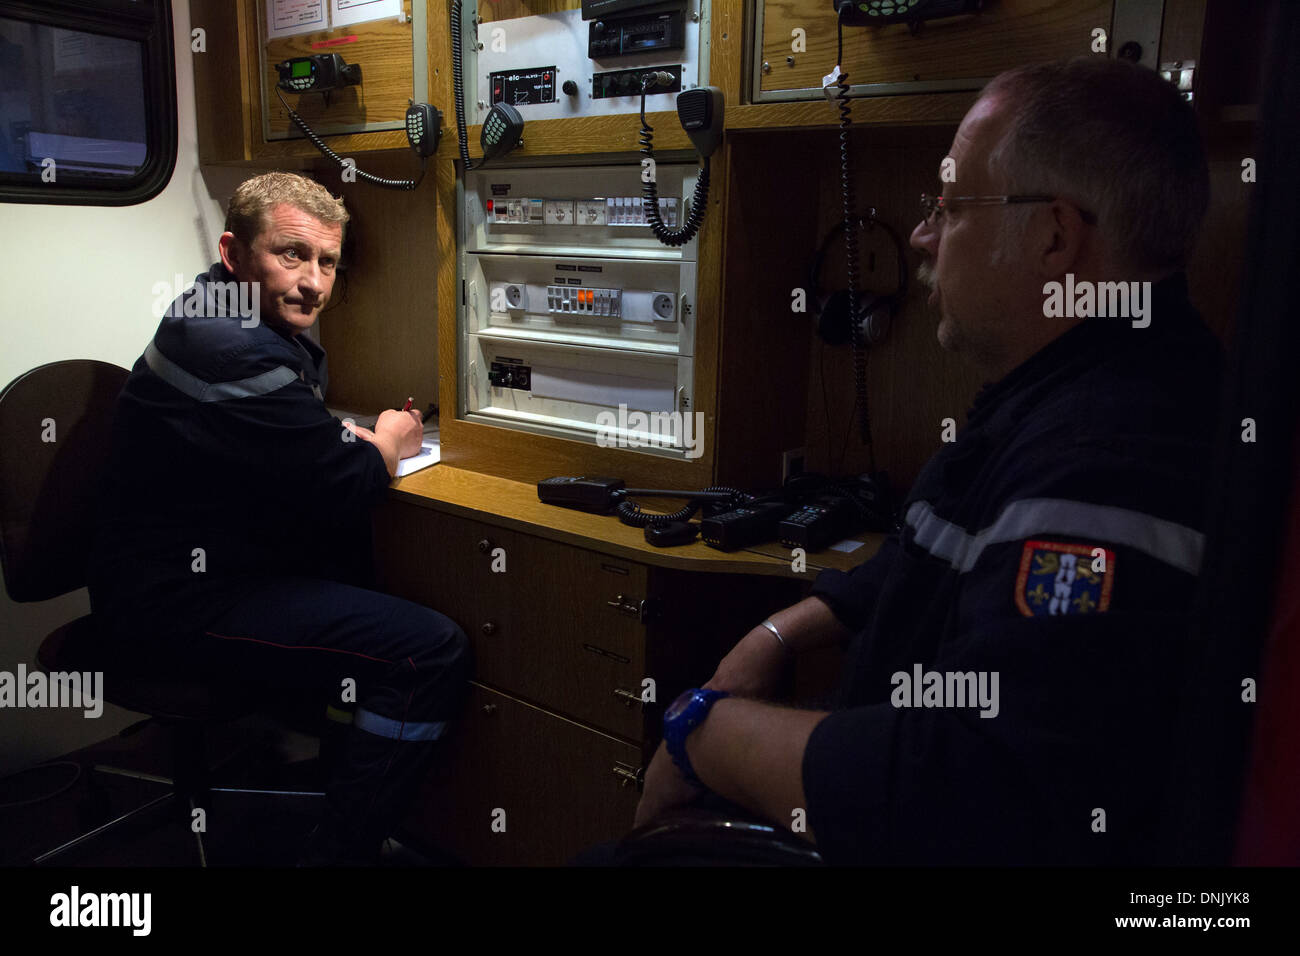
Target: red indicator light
[[489, 205]]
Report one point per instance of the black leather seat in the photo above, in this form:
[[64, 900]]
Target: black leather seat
[[698, 837], [48, 494]]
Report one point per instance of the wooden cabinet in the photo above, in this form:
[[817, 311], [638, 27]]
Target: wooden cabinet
[[520, 786], [557, 625], [576, 654]]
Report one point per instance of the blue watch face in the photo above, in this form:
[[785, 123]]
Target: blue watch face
[[680, 704]]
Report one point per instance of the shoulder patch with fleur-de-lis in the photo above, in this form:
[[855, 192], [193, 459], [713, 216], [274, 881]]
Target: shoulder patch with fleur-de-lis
[[1058, 578]]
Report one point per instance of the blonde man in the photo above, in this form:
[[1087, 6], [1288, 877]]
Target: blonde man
[[234, 536]]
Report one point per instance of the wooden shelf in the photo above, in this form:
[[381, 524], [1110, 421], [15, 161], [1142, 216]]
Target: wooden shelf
[[587, 135], [922, 109]]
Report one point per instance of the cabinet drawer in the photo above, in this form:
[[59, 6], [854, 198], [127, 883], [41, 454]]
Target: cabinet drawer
[[555, 625], [556, 787], [573, 640], [442, 562]]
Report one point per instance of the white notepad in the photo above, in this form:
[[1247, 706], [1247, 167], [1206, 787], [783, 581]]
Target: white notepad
[[430, 454]]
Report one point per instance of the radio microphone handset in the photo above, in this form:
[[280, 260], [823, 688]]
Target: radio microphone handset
[[701, 112]]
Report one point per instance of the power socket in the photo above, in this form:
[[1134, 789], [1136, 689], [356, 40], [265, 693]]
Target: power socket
[[791, 463]]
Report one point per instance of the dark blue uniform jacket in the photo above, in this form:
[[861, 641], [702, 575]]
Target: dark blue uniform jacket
[[222, 444], [1101, 440]]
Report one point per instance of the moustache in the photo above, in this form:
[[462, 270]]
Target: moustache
[[925, 275]]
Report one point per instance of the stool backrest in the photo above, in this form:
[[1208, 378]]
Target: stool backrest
[[55, 426]]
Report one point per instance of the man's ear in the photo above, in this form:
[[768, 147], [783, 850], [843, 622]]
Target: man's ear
[[234, 254], [1059, 239]]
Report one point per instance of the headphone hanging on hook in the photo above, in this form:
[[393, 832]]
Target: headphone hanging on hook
[[875, 311]]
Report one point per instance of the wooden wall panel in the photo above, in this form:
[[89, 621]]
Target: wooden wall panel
[[383, 49], [381, 330], [223, 95], [1006, 34], [1215, 270], [771, 222], [912, 383]]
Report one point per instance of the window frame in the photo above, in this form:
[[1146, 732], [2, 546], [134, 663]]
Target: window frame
[[148, 22]]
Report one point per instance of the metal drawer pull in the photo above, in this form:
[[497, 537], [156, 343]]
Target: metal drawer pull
[[626, 604], [489, 709], [488, 628], [629, 776], [629, 698], [485, 546]]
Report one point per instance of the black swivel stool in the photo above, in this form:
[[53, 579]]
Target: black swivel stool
[[48, 494]]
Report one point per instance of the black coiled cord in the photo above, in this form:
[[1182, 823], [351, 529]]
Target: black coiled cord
[[404, 184], [851, 251], [650, 192], [458, 84], [630, 514]]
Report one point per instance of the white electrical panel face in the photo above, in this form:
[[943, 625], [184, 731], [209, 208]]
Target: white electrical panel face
[[619, 398], [576, 321], [575, 210], [557, 65], [611, 303]]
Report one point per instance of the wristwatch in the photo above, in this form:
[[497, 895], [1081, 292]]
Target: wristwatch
[[685, 714]]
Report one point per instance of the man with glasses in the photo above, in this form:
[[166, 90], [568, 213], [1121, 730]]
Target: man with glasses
[[1012, 653]]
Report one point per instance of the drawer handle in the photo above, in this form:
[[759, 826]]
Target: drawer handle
[[628, 698], [629, 776], [629, 606], [489, 709], [485, 546], [488, 628]]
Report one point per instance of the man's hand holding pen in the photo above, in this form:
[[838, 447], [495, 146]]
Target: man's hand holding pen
[[397, 434]]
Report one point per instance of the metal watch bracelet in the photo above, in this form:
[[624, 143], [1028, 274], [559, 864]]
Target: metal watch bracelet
[[777, 634]]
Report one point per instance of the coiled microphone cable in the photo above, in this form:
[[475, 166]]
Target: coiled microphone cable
[[404, 184], [848, 200], [721, 498], [458, 84], [650, 189]]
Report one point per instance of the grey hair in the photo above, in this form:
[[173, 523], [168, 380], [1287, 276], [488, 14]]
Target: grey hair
[[1114, 138]]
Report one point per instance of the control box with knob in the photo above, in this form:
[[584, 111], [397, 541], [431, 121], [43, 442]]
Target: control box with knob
[[557, 65]]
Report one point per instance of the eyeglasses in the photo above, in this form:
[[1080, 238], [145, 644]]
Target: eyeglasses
[[931, 205]]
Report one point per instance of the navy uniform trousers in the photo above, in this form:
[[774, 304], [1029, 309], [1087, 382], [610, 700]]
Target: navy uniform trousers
[[409, 666]]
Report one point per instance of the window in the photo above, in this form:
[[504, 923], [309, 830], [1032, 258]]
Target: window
[[87, 101]]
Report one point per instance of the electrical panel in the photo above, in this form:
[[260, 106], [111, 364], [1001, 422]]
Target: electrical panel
[[576, 321], [559, 65]]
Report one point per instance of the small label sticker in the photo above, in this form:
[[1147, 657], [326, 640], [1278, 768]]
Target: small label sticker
[[830, 83]]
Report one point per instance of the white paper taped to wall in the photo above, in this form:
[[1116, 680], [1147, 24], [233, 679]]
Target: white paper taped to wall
[[346, 12], [285, 18]]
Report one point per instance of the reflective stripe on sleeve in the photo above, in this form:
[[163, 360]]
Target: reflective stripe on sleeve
[[202, 391], [380, 726], [1167, 541]]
